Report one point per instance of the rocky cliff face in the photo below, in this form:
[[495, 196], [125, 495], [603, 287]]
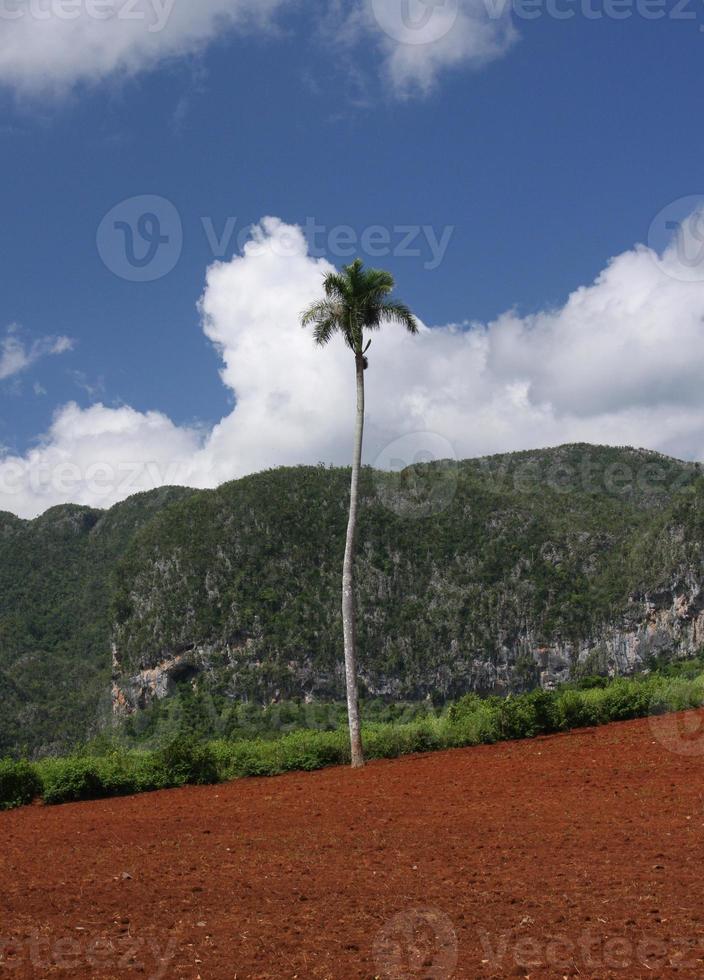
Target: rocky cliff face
[[659, 624], [665, 623]]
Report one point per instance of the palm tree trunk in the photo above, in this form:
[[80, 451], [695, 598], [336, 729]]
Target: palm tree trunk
[[349, 615]]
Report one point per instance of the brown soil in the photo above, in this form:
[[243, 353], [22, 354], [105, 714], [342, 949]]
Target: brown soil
[[575, 855]]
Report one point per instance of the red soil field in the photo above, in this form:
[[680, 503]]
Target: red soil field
[[573, 855]]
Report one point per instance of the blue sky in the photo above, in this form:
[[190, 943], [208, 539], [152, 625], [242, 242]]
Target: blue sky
[[546, 161]]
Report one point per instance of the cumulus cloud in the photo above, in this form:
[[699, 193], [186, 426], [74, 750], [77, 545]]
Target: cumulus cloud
[[96, 456], [16, 354], [421, 39], [620, 363], [54, 45]]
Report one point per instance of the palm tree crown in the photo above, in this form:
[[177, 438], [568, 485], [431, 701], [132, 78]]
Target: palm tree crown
[[356, 299]]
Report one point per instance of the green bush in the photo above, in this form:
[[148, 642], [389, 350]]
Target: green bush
[[384, 741], [70, 780], [478, 726], [146, 773], [622, 701], [97, 777], [312, 750], [186, 760], [466, 706], [546, 710], [677, 694], [424, 736], [255, 757], [591, 681], [515, 717], [297, 751], [19, 784], [388, 741], [575, 711], [122, 773]]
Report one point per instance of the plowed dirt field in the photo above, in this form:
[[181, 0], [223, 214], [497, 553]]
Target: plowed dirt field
[[574, 855]]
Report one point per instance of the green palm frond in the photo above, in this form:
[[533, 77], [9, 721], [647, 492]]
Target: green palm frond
[[397, 312], [336, 287], [326, 319], [356, 300]]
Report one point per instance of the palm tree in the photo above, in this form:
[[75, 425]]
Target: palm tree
[[356, 300]]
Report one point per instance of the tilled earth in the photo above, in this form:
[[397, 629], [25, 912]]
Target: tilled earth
[[573, 855]]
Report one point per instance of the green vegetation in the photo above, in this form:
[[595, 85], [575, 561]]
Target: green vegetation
[[464, 572], [467, 722], [55, 593], [196, 715], [19, 784], [186, 761]]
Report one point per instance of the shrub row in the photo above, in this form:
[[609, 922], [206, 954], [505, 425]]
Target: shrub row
[[469, 721], [76, 778], [19, 784]]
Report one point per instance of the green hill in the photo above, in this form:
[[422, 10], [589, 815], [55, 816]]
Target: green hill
[[492, 575], [55, 593]]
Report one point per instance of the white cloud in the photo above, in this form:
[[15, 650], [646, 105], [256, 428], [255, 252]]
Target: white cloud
[[420, 39], [51, 46], [96, 456], [285, 390], [619, 363], [16, 355]]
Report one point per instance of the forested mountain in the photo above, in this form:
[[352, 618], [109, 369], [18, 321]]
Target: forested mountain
[[55, 593], [492, 575]]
